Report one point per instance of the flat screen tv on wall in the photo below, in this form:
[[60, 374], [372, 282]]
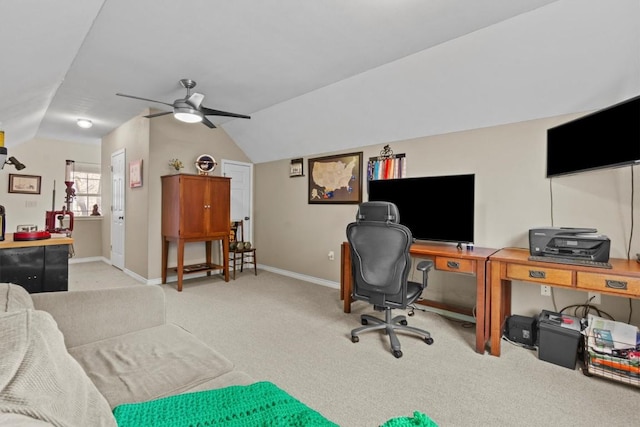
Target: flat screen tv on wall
[[604, 139], [434, 208]]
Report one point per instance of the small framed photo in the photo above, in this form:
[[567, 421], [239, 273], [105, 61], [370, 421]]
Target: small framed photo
[[135, 173], [296, 168], [24, 184], [335, 179]]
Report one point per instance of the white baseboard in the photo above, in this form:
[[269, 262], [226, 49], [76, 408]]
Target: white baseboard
[[299, 276], [89, 259], [158, 281]]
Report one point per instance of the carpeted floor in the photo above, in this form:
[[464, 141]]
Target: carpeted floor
[[294, 334]]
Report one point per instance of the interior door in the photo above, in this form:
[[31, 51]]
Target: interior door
[[117, 208], [241, 175]]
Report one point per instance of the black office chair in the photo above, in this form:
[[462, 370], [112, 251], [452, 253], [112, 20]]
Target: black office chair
[[380, 264]]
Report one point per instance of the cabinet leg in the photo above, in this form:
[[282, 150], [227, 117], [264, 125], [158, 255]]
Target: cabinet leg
[[225, 258], [165, 256], [207, 246], [180, 264]]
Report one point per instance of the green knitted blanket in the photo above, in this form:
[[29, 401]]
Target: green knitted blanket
[[258, 404]]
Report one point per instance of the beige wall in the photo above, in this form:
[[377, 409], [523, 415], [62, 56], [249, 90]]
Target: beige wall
[[44, 158], [133, 137], [87, 237], [512, 196], [156, 142]]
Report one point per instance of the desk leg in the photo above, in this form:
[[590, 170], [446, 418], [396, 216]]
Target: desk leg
[[344, 247], [500, 305], [165, 256], [480, 307], [180, 263], [487, 302], [346, 278]]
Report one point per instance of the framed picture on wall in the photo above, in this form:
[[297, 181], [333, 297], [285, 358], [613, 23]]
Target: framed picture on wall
[[335, 179], [135, 173], [296, 168], [24, 184]]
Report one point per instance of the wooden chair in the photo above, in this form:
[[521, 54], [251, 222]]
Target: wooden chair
[[240, 255]]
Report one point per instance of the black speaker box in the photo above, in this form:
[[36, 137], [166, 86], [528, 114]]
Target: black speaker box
[[521, 329]]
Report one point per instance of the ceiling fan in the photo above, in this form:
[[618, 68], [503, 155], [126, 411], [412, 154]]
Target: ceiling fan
[[189, 109]]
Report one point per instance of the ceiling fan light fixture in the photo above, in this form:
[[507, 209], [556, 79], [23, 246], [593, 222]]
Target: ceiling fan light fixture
[[187, 115], [84, 123]]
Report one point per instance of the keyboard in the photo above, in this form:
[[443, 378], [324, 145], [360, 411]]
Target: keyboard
[[571, 261]]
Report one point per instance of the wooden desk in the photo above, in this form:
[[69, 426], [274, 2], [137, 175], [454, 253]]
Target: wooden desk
[[623, 279], [36, 265], [446, 258]]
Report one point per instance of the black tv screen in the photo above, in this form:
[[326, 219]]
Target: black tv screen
[[606, 138], [437, 208]]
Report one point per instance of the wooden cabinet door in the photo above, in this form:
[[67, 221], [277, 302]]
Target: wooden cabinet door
[[219, 220], [194, 207]]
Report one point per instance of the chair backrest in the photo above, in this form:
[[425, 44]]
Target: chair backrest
[[237, 234], [380, 258]]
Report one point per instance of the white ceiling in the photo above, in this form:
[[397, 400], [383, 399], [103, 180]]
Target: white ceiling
[[315, 76]]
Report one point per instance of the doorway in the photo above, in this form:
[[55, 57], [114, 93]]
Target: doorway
[[241, 175], [117, 208]]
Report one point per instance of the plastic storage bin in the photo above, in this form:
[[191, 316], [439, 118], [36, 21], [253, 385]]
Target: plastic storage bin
[[559, 336]]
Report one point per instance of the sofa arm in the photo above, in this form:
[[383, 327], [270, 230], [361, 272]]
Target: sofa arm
[[88, 316]]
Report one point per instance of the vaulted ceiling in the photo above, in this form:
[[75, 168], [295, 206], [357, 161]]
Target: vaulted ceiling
[[315, 76]]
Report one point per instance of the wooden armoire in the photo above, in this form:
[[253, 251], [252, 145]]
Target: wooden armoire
[[195, 208]]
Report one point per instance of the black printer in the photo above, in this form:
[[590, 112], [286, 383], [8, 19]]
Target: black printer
[[569, 242]]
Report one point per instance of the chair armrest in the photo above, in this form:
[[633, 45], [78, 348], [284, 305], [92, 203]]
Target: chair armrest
[[88, 316], [425, 265]]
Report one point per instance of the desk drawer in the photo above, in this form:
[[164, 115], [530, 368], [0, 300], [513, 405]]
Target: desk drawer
[[608, 283], [529, 273], [455, 265]]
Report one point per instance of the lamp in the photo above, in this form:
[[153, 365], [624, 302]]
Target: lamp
[[84, 123], [12, 160], [186, 113]]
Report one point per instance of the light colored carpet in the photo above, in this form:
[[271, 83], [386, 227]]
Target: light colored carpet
[[294, 334]]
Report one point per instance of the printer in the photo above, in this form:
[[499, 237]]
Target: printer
[[569, 242]]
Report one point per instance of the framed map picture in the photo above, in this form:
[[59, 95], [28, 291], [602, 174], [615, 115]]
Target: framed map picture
[[336, 179]]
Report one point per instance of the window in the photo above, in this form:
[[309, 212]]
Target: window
[[87, 183]]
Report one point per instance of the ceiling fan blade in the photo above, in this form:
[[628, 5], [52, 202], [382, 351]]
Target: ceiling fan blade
[[209, 112], [144, 99], [208, 123], [164, 113], [195, 100]]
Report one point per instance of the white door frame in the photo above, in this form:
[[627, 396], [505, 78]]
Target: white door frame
[[117, 224], [248, 233]]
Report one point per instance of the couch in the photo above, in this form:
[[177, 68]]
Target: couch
[[70, 358]]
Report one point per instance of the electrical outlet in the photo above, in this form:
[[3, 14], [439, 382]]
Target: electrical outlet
[[545, 290], [594, 298], [331, 256]]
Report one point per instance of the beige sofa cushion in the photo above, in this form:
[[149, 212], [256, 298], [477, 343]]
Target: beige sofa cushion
[[39, 379], [149, 364], [14, 297]]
